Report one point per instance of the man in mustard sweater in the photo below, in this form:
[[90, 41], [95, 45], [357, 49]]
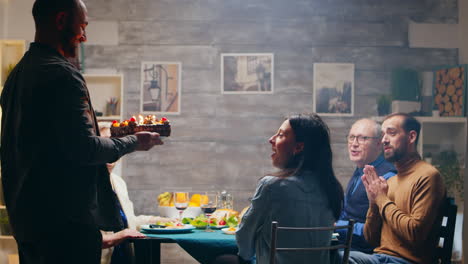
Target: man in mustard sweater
[[404, 212]]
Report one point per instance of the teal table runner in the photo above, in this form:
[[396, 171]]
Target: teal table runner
[[203, 246]]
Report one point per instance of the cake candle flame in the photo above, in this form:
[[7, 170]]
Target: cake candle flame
[[140, 118]]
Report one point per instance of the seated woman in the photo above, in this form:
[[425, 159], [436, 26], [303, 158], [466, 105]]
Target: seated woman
[[117, 240], [304, 193]]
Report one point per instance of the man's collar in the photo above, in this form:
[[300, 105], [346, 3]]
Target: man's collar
[[45, 47], [378, 161], [375, 163]]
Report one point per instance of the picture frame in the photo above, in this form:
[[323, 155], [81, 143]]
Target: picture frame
[[160, 89], [333, 89], [247, 73], [449, 90]]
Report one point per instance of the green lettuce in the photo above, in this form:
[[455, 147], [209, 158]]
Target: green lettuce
[[232, 221], [200, 221], [187, 220]]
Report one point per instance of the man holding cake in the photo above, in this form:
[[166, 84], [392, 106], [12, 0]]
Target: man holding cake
[[53, 161]]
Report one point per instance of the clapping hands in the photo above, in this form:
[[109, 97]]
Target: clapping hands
[[374, 184]]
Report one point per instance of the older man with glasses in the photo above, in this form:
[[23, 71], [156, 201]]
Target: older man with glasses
[[364, 148]]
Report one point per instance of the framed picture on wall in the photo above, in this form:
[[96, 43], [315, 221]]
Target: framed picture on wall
[[334, 89], [160, 90], [247, 73], [449, 90]]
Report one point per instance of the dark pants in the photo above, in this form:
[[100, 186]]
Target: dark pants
[[230, 259], [356, 257], [77, 245]]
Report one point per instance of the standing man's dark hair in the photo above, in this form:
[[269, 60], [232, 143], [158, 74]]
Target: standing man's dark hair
[[45, 10], [60, 23], [55, 176]]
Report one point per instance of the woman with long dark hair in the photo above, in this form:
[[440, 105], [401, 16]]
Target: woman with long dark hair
[[303, 193]]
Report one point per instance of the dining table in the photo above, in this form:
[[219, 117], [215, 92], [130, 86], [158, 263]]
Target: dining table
[[202, 246]]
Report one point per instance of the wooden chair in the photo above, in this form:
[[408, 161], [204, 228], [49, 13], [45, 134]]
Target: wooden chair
[[447, 230], [334, 246]]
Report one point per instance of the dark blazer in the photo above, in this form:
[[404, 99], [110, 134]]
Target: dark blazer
[[52, 158]]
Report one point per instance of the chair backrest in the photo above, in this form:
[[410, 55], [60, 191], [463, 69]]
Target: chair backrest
[[334, 246], [447, 230]]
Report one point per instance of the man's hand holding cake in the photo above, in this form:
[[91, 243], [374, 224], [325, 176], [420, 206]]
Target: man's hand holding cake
[[146, 140]]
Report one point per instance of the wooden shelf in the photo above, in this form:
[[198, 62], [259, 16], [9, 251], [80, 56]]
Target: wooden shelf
[[11, 52], [109, 118], [103, 87], [7, 237], [432, 119], [441, 134]]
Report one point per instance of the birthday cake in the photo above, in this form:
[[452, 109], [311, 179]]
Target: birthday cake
[[150, 123]]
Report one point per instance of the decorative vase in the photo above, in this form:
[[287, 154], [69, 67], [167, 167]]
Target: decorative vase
[[111, 109]]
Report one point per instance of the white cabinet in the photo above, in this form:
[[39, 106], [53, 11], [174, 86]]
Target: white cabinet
[[106, 91], [440, 134], [11, 51], [443, 134]]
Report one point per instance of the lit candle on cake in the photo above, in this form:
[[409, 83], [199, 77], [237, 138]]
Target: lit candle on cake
[[140, 118]]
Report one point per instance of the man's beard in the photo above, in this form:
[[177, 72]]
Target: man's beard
[[68, 42], [396, 156]]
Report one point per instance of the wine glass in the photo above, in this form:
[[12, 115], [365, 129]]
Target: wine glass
[[208, 204], [181, 200]]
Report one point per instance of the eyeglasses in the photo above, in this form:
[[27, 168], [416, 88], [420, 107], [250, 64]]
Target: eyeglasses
[[360, 139]]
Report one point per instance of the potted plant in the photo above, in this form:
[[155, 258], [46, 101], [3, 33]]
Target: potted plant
[[449, 168], [384, 103], [405, 86], [428, 157]]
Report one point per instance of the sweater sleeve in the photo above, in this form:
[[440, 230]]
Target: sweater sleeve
[[373, 226], [427, 194], [252, 221]]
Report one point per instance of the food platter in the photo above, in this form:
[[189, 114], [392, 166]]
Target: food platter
[[167, 230], [229, 231], [203, 226]]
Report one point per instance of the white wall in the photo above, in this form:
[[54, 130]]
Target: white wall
[[463, 32], [463, 59], [423, 35], [3, 17], [19, 21]]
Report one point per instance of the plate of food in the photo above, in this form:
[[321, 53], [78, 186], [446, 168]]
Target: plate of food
[[165, 229], [201, 222], [229, 230]]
